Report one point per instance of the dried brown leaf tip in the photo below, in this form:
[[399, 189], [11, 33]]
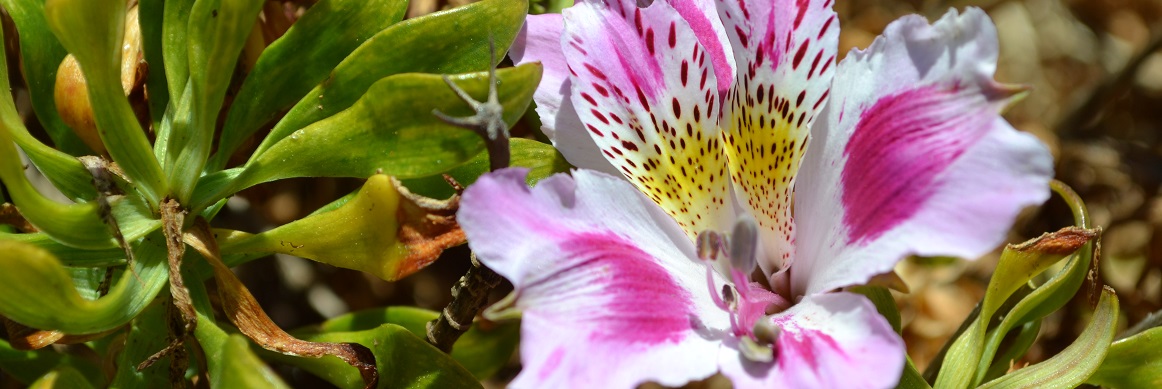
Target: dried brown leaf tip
[[1063, 242], [243, 310], [11, 216], [427, 227]]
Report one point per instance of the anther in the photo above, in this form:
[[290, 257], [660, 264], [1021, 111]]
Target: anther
[[765, 331], [744, 244], [708, 244]]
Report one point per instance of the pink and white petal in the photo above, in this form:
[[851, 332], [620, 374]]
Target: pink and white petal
[[833, 340], [539, 40], [912, 156], [702, 16], [785, 50], [646, 93], [610, 294]]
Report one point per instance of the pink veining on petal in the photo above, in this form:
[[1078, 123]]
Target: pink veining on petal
[[646, 304], [552, 363], [803, 347], [899, 149], [704, 28]]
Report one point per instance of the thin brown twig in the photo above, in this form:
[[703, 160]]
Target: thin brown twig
[[470, 294]]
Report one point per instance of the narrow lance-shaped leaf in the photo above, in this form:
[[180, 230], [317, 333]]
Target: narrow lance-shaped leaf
[[35, 290], [64, 377], [40, 54], [384, 231], [26, 366], [240, 368], [452, 41], [151, 16], [217, 32], [1134, 362], [542, 159], [72, 92], [968, 358], [299, 60], [175, 48], [1072, 366], [69, 256], [146, 334], [483, 350], [65, 172], [76, 225], [390, 130], [1047, 298], [92, 30], [405, 360]]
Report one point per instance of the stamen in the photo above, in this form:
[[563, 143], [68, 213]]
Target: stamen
[[710, 285], [765, 331], [728, 296], [708, 244], [744, 244]]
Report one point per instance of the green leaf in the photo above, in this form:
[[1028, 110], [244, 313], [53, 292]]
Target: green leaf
[[40, 55], [967, 361], [35, 290], [483, 350], [340, 237], [218, 29], [151, 15], [911, 379], [148, 333], [92, 31], [390, 130], [1014, 347], [63, 377], [76, 225], [542, 159], [65, 172], [240, 368], [174, 47], [453, 41], [27, 366], [549, 6], [1134, 362], [299, 60], [1072, 366], [404, 361]]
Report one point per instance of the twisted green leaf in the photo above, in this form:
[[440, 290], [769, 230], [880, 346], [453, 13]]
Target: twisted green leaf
[[481, 351], [542, 159], [92, 31], [299, 60], [35, 290], [40, 55], [217, 31], [453, 41], [404, 361], [390, 130], [1134, 362], [1072, 366]]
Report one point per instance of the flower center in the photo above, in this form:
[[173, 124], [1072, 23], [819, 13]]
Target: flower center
[[748, 303]]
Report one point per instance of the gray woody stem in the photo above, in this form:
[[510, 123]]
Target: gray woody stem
[[470, 294]]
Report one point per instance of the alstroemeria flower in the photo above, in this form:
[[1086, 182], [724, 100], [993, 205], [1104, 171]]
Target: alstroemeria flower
[[706, 109]]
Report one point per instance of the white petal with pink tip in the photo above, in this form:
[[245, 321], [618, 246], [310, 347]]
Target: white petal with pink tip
[[836, 340], [912, 157], [604, 280]]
